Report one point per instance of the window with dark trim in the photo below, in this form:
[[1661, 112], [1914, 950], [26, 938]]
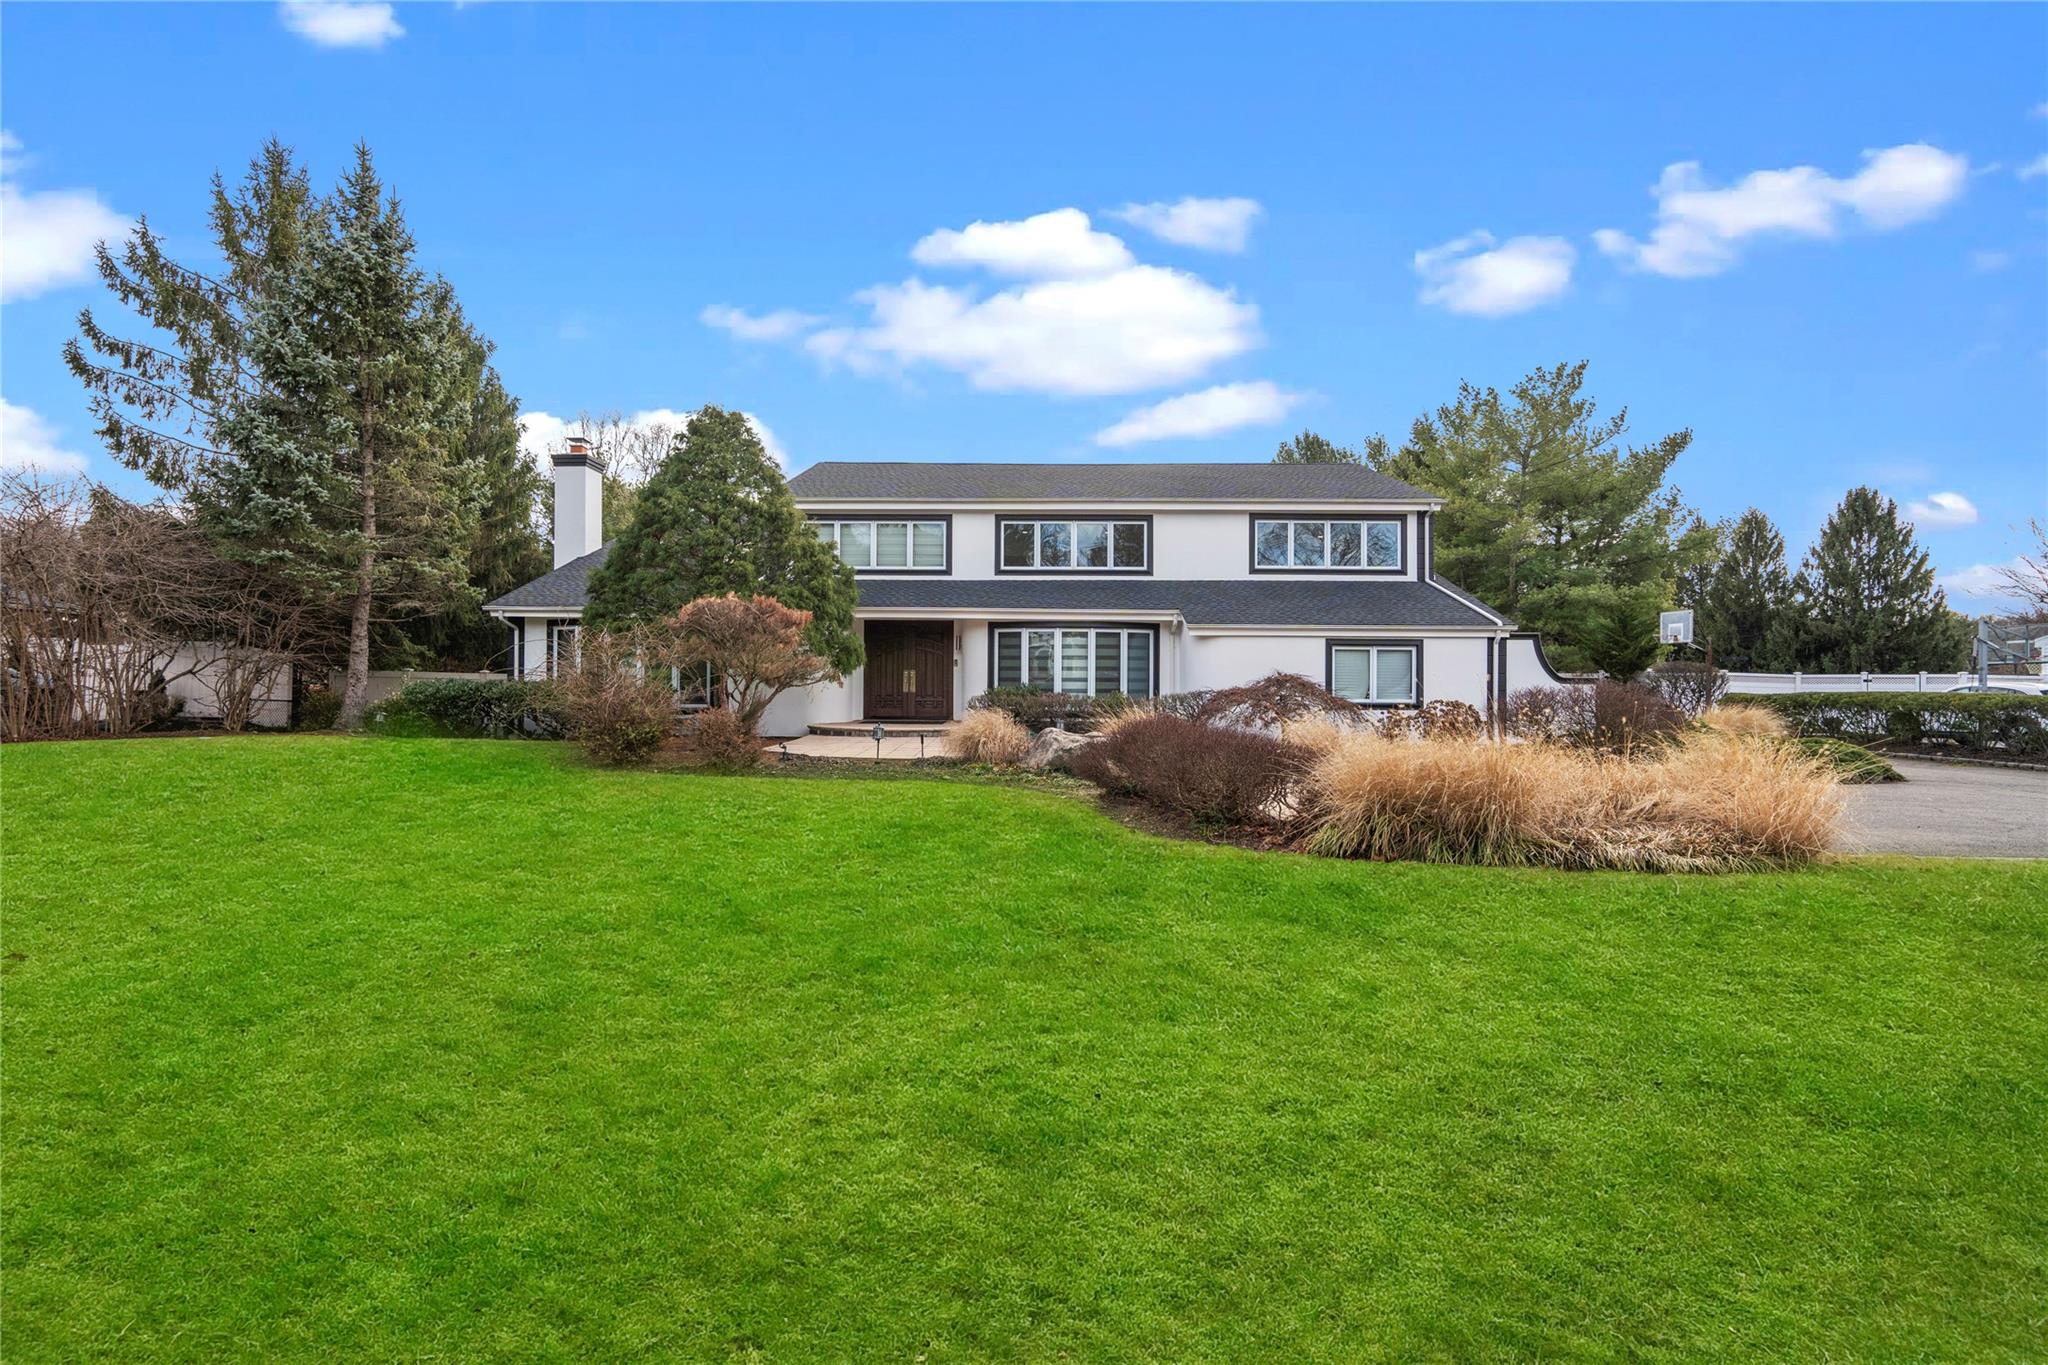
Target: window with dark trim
[[1326, 544], [1074, 544], [1376, 673], [900, 544], [1090, 661]]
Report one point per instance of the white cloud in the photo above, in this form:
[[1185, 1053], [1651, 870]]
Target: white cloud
[[780, 325], [1138, 328], [1942, 512], [1059, 245], [27, 441], [1988, 260], [1209, 412], [1984, 582], [541, 434], [1209, 224], [2036, 168], [1472, 275], [341, 23], [46, 236], [1699, 227]]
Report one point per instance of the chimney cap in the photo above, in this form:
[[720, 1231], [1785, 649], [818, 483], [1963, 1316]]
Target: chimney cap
[[578, 453]]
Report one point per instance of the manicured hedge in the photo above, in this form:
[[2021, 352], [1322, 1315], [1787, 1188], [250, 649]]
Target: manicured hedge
[[463, 708], [1973, 720]]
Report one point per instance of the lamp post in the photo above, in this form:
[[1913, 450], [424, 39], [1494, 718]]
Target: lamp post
[[878, 732]]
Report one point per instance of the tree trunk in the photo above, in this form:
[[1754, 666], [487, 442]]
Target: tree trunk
[[355, 688]]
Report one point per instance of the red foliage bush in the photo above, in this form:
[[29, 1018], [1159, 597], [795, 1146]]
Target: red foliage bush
[[1210, 772], [1271, 702], [1610, 716], [1434, 720], [723, 740]]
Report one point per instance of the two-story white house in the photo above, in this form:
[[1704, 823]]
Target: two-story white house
[[1095, 578]]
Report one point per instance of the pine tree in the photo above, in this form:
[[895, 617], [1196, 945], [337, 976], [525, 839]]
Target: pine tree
[[716, 517], [1867, 597], [160, 401], [1743, 598], [1309, 448], [1548, 515], [350, 473]]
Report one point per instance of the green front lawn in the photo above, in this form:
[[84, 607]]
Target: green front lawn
[[329, 1047]]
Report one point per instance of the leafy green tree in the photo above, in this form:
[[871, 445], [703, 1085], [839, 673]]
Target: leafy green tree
[[1309, 448], [351, 474], [1548, 515], [1743, 599], [716, 518], [1867, 597]]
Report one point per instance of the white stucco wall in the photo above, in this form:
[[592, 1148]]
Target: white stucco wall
[[1453, 666]]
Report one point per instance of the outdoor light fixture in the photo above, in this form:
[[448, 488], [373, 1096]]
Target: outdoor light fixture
[[878, 732]]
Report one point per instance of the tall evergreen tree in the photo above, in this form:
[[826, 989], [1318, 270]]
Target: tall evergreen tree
[[1548, 515], [350, 473], [1309, 448], [716, 517], [1743, 599], [1868, 600], [161, 400]]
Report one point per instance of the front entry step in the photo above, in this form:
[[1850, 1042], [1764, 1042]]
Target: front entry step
[[893, 728]]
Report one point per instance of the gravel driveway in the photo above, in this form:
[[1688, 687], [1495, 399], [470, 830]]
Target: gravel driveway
[[1952, 810]]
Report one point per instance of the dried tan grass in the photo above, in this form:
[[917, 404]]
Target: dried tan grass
[[992, 737], [1714, 805], [1747, 722], [1117, 720]]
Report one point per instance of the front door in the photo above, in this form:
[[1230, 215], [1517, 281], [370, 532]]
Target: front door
[[909, 670]]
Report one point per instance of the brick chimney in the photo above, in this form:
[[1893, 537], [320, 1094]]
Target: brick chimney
[[579, 500]]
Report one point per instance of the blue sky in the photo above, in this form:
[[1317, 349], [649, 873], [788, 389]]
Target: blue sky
[[1817, 236]]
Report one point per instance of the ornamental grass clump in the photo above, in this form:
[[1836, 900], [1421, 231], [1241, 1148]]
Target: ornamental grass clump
[[1715, 804], [1743, 722], [993, 737]]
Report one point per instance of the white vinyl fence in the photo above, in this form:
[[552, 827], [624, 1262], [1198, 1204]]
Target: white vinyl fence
[[1849, 682]]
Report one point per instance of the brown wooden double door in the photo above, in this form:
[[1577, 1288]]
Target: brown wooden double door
[[909, 671]]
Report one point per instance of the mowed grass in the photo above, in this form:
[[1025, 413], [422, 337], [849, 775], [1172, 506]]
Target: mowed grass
[[320, 1047]]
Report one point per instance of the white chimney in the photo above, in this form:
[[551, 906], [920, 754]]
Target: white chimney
[[579, 501]]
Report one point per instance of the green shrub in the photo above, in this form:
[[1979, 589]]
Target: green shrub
[[1852, 763], [1971, 720], [1037, 709], [465, 708], [318, 706]]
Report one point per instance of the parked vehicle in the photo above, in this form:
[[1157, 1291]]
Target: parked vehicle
[[2026, 687]]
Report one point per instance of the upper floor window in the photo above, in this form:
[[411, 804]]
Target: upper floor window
[[1297, 543], [887, 544], [1074, 544]]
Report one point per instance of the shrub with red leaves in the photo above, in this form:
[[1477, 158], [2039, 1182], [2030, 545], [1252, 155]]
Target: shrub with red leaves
[[1271, 702], [1210, 772]]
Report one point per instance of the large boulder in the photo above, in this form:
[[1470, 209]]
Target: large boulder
[[1052, 748]]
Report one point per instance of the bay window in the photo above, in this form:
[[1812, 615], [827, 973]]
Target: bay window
[[1079, 660], [876, 545], [1104, 545], [1326, 544], [1386, 674]]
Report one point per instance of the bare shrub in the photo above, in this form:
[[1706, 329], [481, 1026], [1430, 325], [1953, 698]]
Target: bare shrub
[[1433, 720], [1271, 702], [1746, 722], [618, 711], [722, 741], [1714, 805], [993, 737], [1239, 777], [1608, 716], [1690, 687]]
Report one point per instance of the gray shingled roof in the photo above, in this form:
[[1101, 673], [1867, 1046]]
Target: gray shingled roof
[[1201, 602], [563, 587], [1046, 483]]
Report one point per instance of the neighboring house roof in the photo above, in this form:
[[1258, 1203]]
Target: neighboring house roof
[[567, 586], [1200, 602], [869, 480]]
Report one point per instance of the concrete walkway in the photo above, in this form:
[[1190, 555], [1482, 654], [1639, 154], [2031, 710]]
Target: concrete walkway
[[857, 747], [1950, 810]]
